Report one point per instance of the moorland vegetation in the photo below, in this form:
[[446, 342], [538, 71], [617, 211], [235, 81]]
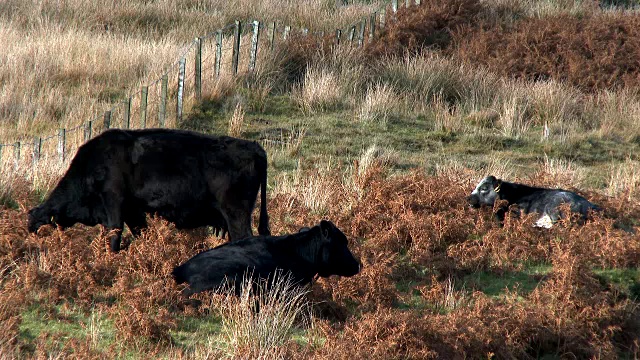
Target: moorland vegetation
[[386, 141]]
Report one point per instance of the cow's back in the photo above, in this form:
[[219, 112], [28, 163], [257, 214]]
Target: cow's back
[[184, 176]]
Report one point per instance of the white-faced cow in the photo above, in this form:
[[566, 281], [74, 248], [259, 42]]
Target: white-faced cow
[[529, 200], [321, 250], [190, 179]]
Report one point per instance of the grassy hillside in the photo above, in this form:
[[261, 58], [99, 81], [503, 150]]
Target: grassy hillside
[[386, 141]]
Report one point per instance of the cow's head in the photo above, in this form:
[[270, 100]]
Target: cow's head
[[38, 216], [486, 193], [335, 257]]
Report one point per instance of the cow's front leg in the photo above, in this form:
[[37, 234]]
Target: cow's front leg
[[114, 221]]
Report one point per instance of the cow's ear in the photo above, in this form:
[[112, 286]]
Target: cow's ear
[[327, 228]]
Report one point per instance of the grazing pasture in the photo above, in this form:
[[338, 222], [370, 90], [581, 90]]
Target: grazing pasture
[[386, 142]]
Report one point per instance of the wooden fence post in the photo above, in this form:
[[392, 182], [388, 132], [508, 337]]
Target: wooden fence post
[[383, 15], [1, 146], [107, 120], [253, 55], [87, 131], [198, 69], [37, 148], [144, 95], [180, 96], [285, 34], [338, 36], [218, 52], [418, 2], [363, 25], [352, 33], [127, 113], [372, 26], [407, 3], [271, 33], [235, 56], [162, 107], [16, 154], [62, 139], [394, 5]]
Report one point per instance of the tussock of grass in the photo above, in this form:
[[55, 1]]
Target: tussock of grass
[[260, 321], [319, 92], [378, 105]]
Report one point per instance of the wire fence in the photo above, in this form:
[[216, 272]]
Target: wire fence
[[232, 50]]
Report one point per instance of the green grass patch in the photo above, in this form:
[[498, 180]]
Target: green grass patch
[[625, 280], [66, 323], [495, 284], [192, 331]]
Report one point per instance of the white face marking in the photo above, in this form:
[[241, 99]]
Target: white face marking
[[477, 189], [545, 222]]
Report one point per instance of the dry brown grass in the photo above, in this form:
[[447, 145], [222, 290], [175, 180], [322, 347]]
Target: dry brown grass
[[404, 228], [414, 233], [592, 52], [67, 63]]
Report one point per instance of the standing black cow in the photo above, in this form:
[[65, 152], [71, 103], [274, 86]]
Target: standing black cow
[[529, 199], [321, 250], [188, 178]]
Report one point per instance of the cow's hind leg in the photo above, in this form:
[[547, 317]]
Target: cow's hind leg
[[238, 217]]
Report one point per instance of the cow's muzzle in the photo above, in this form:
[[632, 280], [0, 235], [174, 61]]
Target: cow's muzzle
[[473, 201]]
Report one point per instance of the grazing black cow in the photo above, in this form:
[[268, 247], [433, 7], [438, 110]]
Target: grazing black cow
[[529, 199], [321, 250], [188, 178]]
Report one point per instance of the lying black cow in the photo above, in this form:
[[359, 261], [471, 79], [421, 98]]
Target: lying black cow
[[529, 200], [321, 250], [188, 178]]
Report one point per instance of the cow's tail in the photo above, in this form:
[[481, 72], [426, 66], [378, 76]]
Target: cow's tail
[[263, 225]]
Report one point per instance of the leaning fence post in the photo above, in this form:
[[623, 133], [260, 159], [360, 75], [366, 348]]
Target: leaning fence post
[[253, 55], [285, 34], [338, 36], [236, 47], [127, 113], [62, 138], [87, 131], [394, 5], [107, 120], [363, 24], [162, 107], [218, 52], [372, 27], [271, 33], [37, 148], [16, 153], [352, 33], [180, 96], [198, 69]]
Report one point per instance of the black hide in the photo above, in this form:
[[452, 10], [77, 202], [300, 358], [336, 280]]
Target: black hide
[[188, 178], [321, 250]]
